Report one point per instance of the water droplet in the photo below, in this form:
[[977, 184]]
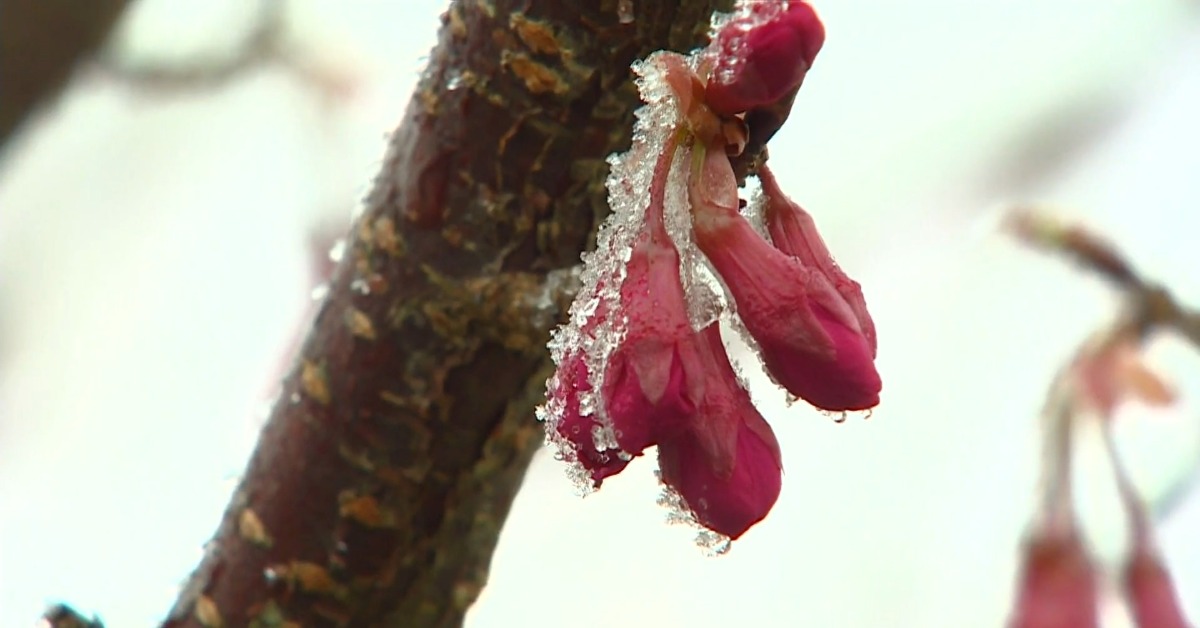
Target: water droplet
[[625, 11], [360, 286], [337, 251]]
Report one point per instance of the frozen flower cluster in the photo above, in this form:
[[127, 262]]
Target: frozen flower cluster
[[641, 361]]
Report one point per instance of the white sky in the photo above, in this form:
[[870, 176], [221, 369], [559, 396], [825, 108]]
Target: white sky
[[153, 266]]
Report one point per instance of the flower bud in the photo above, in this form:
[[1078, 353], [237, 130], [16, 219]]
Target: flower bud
[[809, 336], [727, 465], [1153, 601], [1057, 587], [568, 385], [794, 232], [762, 54]]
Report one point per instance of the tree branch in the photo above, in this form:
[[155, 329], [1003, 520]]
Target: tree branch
[[40, 43], [388, 466], [1149, 307]]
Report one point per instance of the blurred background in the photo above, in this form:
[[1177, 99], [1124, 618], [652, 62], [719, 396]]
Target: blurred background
[[163, 226]]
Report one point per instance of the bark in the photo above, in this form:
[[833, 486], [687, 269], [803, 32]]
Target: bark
[[40, 43], [384, 474]]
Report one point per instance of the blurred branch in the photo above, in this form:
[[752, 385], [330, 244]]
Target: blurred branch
[[1150, 306], [40, 43], [262, 45], [386, 470], [60, 616], [1153, 305]]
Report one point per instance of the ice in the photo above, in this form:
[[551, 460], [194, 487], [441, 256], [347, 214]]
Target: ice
[[680, 514], [705, 296], [596, 323], [728, 32], [625, 11], [337, 251], [756, 207]]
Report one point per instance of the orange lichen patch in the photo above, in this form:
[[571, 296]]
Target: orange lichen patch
[[206, 612], [314, 382], [359, 323], [305, 576], [454, 18], [252, 529], [386, 238], [535, 34], [363, 509], [271, 616], [538, 78]]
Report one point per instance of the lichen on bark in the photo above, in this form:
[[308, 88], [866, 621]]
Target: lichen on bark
[[386, 470]]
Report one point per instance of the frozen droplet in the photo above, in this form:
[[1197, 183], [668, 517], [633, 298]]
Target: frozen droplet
[[838, 417], [755, 208], [625, 11], [337, 251], [294, 398], [360, 286], [271, 575], [320, 291], [712, 543]]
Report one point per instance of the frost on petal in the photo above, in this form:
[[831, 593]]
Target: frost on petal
[[761, 54], [601, 322], [728, 505], [1057, 586], [578, 432]]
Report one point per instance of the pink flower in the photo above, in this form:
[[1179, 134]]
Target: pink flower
[[648, 392], [809, 332], [727, 464], [569, 384], [762, 54], [1057, 587], [1150, 592], [793, 231]]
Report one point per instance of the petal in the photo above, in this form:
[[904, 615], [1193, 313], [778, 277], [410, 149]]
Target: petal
[[763, 55], [1057, 587], [1152, 597], [811, 350], [579, 430], [728, 505]]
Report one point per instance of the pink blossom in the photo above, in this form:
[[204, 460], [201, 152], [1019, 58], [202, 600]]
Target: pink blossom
[[647, 390], [579, 430], [794, 232], [1151, 594], [810, 335], [1057, 587], [727, 464], [762, 54]]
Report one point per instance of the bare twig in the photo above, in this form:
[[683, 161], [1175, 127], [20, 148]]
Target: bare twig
[[40, 43], [1150, 307], [261, 46]]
